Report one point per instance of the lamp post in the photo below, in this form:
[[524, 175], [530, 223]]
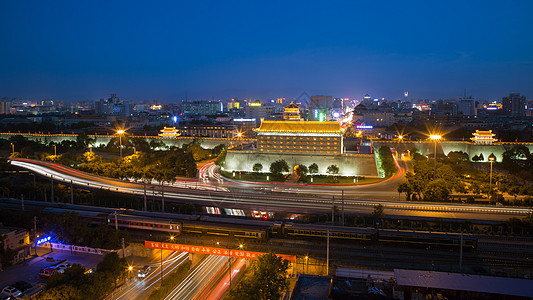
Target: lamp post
[[120, 132], [161, 248], [435, 138], [12, 148], [491, 158], [55, 150], [229, 261]]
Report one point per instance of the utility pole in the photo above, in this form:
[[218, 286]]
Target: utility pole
[[123, 249], [52, 183], [327, 258], [162, 197], [342, 197], [35, 233], [333, 211], [461, 251], [116, 221], [71, 193], [145, 209]]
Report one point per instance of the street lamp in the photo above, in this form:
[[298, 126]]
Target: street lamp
[[161, 248], [12, 148], [55, 150], [491, 158], [435, 138], [229, 261], [120, 132]]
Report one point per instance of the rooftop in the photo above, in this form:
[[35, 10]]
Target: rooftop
[[465, 282]]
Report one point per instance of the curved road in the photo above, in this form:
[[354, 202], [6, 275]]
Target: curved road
[[292, 202]]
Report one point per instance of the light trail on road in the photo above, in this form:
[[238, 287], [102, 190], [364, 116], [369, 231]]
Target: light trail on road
[[198, 278], [289, 202], [141, 288]]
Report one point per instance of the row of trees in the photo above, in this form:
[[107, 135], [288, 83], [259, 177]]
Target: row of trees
[[455, 174], [163, 166], [279, 167]]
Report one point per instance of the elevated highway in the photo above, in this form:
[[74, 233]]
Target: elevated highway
[[303, 200]]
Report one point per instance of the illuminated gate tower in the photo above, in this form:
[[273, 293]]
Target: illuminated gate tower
[[295, 136]]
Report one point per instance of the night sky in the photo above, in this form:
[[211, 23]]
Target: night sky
[[77, 50]]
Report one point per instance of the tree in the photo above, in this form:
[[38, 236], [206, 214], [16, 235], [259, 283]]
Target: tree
[[61, 292], [313, 168], [475, 158], [333, 170], [266, 280], [301, 170], [387, 162], [257, 167], [116, 266], [378, 213], [405, 188], [279, 166]]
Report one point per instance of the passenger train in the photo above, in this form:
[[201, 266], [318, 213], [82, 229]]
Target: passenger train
[[258, 230]]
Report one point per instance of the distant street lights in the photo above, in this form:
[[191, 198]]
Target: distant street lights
[[435, 138], [120, 132]]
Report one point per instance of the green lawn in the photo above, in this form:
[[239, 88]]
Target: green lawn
[[261, 177]]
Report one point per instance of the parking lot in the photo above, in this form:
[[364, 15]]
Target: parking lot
[[29, 270]]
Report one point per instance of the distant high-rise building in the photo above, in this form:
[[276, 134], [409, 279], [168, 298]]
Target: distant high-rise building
[[514, 105], [467, 106], [321, 101], [192, 108], [5, 108], [114, 99], [320, 108]]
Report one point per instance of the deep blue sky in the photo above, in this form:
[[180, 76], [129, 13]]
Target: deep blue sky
[[74, 50]]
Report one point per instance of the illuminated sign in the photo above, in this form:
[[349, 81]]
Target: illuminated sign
[[364, 127], [43, 240], [244, 120], [254, 104], [212, 250]]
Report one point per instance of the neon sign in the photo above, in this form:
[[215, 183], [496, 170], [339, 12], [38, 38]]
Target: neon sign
[[43, 240], [364, 127]]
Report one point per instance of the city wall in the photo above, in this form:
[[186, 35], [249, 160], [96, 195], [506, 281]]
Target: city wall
[[205, 142], [445, 147], [349, 164]]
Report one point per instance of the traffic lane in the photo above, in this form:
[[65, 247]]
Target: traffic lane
[[253, 201], [142, 287], [29, 270], [198, 278], [225, 283]]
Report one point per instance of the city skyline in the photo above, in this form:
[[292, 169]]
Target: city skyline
[[72, 51]]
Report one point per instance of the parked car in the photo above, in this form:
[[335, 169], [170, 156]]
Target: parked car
[[144, 271], [6, 297], [50, 258], [11, 291], [63, 266], [22, 286], [47, 273]]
